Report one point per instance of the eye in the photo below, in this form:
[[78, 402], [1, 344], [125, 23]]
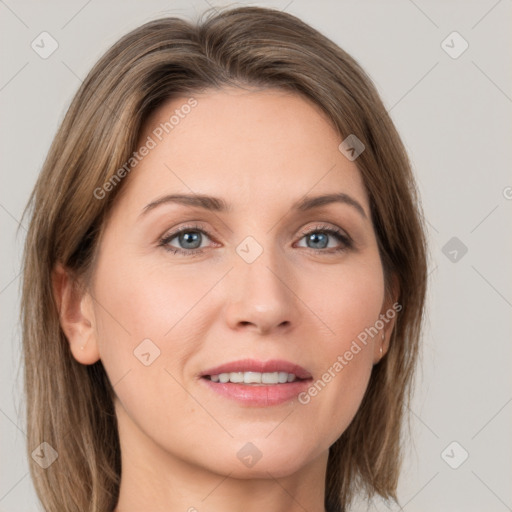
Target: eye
[[319, 237], [189, 239]]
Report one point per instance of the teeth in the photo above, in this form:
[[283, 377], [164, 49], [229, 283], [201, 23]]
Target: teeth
[[282, 377], [251, 377], [236, 376], [254, 377]]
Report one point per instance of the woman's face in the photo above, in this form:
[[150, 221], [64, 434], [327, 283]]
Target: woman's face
[[256, 276]]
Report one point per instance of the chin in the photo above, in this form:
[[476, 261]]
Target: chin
[[258, 460]]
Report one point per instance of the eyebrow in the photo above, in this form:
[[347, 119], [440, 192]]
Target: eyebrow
[[217, 204]]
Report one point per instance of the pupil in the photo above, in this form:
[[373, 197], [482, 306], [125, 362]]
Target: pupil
[[191, 237], [315, 239]]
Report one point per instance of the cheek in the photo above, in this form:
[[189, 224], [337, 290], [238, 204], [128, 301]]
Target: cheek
[[348, 298], [137, 302], [349, 304], [149, 325], [147, 330]]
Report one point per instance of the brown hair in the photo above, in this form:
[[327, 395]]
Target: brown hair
[[70, 405]]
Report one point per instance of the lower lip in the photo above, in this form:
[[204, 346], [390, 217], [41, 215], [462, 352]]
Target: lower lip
[[259, 396]]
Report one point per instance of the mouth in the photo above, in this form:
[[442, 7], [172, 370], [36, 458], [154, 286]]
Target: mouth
[[254, 378], [257, 383]]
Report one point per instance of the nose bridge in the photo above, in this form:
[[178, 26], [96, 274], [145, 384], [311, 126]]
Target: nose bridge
[[260, 294]]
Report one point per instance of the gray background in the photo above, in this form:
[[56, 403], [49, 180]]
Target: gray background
[[454, 115]]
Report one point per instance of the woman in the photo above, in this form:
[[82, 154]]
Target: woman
[[224, 277]]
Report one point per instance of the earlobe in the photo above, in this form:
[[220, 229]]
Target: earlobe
[[76, 315]]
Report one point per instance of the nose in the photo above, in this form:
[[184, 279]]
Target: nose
[[261, 298]]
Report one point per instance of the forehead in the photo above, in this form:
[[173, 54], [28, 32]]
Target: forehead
[[249, 146]]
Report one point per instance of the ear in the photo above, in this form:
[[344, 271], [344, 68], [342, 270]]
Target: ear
[[390, 309], [76, 315]]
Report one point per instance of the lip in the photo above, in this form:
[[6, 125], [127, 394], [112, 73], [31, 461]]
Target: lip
[[258, 395]]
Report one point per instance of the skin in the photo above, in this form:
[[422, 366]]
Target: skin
[[260, 151]]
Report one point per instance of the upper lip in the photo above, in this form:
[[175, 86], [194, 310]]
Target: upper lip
[[253, 365]]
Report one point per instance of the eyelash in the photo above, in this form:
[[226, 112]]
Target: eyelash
[[336, 233]]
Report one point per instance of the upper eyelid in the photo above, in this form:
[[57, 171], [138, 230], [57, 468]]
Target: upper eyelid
[[173, 233]]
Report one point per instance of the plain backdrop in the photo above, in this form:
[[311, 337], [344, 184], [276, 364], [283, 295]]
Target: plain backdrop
[[453, 110]]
